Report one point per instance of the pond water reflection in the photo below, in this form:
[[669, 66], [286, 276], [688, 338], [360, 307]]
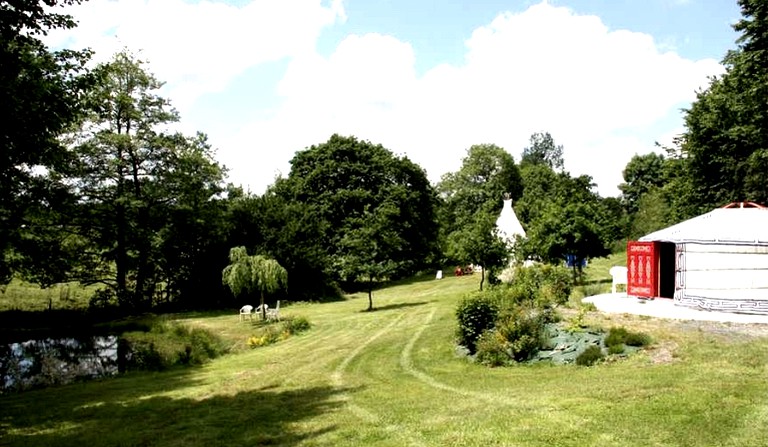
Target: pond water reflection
[[46, 362]]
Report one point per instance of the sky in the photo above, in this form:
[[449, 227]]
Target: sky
[[265, 79]]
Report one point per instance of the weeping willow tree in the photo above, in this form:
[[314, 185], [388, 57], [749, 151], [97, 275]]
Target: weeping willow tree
[[253, 273]]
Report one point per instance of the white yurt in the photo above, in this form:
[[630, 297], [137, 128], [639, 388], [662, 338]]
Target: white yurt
[[716, 261]]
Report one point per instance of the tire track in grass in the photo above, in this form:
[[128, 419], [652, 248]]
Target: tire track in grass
[[406, 362], [337, 378], [320, 347], [321, 334]]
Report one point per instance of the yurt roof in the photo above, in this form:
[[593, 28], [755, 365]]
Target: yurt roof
[[740, 226]]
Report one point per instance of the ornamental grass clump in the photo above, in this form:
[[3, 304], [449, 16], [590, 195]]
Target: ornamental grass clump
[[621, 336], [590, 356]]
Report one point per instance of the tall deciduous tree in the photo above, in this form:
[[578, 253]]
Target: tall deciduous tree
[[652, 213], [569, 229], [486, 174], [190, 211], [370, 247], [338, 181], [642, 173], [133, 187], [290, 232], [479, 243], [564, 216], [726, 134], [40, 97], [543, 151]]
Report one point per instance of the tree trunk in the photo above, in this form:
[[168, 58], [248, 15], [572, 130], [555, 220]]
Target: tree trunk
[[482, 276], [124, 297], [142, 296], [121, 255], [370, 294], [578, 273], [121, 259], [263, 309]]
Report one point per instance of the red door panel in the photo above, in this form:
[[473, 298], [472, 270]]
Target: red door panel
[[643, 269]]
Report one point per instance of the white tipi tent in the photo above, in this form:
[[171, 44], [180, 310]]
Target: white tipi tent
[[508, 224]]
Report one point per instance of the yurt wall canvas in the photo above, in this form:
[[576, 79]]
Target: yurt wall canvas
[[721, 260], [722, 277]]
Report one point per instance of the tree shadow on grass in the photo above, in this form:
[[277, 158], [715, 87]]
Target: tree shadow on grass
[[396, 306], [352, 287], [108, 414], [213, 313], [421, 277]]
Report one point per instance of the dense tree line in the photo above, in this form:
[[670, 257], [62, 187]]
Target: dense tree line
[[349, 212], [41, 95], [144, 212], [562, 215], [94, 187]]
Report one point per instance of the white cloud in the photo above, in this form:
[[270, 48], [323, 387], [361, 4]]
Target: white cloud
[[198, 47], [601, 93], [597, 91]]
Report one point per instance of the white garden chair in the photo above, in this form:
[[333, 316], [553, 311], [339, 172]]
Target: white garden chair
[[246, 311], [619, 276], [274, 313], [258, 312]]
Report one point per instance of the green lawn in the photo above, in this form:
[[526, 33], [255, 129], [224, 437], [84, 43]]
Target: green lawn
[[597, 269], [392, 378], [20, 295]]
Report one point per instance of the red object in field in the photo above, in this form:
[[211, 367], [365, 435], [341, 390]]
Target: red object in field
[[643, 269]]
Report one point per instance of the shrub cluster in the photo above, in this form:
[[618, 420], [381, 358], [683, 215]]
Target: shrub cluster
[[476, 314], [545, 286], [516, 336], [169, 344], [273, 333], [507, 322], [492, 349], [510, 323]]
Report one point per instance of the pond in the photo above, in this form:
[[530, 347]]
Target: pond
[[56, 361]]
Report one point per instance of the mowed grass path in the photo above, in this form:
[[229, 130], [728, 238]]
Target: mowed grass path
[[392, 378]]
